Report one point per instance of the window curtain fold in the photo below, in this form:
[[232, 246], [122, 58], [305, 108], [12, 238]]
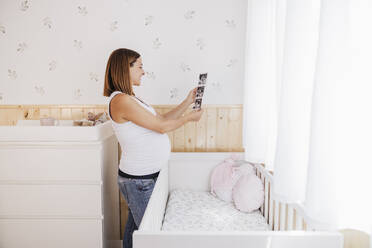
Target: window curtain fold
[[339, 177], [297, 72], [260, 90]]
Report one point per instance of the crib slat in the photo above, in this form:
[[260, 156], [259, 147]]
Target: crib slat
[[266, 199], [263, 182], [276, 216], [282, 216], [290, 218], [298, 221], [304, 226], [261, 177], [271, 209]]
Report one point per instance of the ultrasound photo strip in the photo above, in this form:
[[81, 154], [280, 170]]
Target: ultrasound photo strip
[[203, 78], [200, 90], [197, 103], [199, 95]]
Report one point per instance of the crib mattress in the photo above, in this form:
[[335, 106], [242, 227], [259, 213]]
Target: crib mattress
[[189, 210]]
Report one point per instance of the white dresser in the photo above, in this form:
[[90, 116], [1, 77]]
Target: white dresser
[[58, 186]]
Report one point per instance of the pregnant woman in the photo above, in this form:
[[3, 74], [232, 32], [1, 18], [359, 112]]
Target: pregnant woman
[[141, 132]]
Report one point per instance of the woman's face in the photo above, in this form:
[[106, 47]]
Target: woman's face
[[136, 72]]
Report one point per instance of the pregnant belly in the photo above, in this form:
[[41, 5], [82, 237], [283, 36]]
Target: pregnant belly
[[155, 149]]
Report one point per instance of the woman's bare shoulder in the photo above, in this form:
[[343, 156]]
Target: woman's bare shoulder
[[117, 106]]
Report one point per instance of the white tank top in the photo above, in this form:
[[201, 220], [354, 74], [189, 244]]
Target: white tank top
[[143, 151]]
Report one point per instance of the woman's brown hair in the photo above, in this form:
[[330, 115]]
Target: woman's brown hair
[[117, 71]]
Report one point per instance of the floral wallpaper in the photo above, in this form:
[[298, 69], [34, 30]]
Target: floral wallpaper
[[55, 52]]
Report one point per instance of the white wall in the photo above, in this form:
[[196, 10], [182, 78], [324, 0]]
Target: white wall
[[55, 52]]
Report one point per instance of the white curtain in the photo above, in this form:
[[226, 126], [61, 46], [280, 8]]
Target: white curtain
[[297, 76], [316, 131], [260, 93], [339, 179]]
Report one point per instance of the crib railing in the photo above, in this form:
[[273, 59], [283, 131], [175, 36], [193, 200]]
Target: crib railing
[[279, 215]]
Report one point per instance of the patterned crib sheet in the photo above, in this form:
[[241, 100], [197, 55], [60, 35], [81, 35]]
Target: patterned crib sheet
[[189, 210]]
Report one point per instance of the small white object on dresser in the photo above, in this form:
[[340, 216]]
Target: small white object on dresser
[[58, 186]]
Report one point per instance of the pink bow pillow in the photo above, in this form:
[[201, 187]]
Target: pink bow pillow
[[248, 193], [225, 175], [222, 180]]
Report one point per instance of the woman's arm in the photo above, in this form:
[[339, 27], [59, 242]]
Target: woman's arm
[[130, 110], [177, 111]]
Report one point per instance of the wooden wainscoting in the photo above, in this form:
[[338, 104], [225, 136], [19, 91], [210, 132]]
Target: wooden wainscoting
[[219, 129]]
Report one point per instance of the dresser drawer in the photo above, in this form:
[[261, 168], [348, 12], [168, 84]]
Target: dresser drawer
[[50, 163], [51, 233], [50, 200]]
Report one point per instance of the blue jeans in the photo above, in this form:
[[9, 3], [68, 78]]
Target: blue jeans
[[137, 193]]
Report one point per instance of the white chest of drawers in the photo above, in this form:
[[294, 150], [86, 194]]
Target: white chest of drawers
[[58, 186]]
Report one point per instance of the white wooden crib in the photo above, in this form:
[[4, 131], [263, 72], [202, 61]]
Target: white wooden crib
[[289, 227]]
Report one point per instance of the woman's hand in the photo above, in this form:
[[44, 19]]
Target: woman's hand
[[191, 96], [195, 115]]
